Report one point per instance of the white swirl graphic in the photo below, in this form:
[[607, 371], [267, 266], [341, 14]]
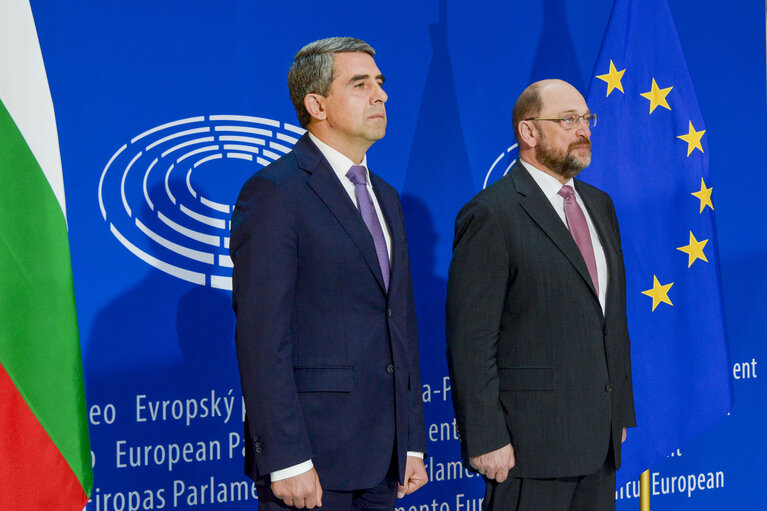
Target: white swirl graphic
[[168, 194], [505, 161]]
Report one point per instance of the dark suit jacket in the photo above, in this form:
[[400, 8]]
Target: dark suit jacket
[[532, 358], [328, 360]]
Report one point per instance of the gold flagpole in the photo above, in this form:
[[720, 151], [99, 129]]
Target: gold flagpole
[[644, 491]]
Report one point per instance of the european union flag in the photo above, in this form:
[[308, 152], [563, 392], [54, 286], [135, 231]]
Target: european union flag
[[650, 153]]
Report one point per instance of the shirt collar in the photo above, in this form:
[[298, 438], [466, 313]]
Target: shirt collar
[[546, 182], [339, 162]]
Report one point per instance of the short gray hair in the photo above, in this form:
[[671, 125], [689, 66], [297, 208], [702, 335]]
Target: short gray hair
[[312, 69]]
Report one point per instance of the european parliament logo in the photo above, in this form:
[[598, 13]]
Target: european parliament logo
[[168, 194], [501, 166]]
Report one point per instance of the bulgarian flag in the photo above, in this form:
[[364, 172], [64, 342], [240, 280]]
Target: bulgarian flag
[[45, 461]]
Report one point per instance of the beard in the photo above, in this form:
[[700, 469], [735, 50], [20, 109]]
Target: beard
[[565, 164]]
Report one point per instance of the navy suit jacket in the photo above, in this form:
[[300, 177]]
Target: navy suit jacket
[[328, 359]]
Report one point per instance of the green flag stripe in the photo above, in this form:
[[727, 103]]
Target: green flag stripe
[[39, 344]]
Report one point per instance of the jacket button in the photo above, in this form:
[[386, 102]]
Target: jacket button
[[390, 369], [607, 332], [608, 388], [388, 312]]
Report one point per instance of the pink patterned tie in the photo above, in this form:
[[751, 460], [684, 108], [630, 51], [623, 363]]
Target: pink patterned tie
[[358, 175], [576, 222]]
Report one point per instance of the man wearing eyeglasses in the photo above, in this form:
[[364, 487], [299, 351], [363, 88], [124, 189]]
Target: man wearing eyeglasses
[[538, 345]]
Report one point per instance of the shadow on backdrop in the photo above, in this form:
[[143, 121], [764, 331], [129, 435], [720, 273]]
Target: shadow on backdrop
[[166, 340], [437, 184], [163, 328], [555, 56], [438, 171], [430, 289]]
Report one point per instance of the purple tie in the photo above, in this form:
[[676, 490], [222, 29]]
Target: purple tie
[[358, 175], [576, 222]]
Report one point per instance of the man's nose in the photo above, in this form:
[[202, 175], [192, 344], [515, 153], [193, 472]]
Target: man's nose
[[583, 129], [380, 95]]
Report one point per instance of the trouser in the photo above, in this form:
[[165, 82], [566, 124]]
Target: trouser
[[381, 497], [592, 492]]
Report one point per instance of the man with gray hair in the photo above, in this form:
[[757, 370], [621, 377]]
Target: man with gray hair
[[326, 329]]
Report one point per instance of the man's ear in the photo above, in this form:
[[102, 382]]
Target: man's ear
[[528, 133], [315, 105]]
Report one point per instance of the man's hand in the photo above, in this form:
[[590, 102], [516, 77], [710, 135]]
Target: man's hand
[[495, 464], [415, 476], [623, 438], [301, 491]]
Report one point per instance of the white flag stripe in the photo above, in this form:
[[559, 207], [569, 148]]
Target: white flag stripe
[[25, 93]]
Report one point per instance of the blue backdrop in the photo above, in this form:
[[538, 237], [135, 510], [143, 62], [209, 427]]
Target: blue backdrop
[[165, 108]]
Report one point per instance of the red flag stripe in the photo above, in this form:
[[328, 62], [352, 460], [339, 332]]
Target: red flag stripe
[[34, 476]]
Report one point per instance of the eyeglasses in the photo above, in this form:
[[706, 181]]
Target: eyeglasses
[[569, 121]]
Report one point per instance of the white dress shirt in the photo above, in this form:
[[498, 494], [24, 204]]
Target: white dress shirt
[[550, 187], [341, 165]]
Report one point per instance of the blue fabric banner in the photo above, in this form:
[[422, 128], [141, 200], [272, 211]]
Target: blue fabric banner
[[650, 152]]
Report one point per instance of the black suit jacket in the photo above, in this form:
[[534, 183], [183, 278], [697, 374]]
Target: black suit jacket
[[533, 359], [328, 359]]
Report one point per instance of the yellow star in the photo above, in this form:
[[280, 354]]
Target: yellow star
[[658, 293], [704, 195], [657, 96], [694, 250], [693, 139], [613, 79]]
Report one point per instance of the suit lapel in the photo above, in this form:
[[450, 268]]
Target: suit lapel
[[331, 192], [609, 243], [538, 207]]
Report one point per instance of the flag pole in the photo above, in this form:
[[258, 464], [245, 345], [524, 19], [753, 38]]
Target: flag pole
[[644, 491]]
